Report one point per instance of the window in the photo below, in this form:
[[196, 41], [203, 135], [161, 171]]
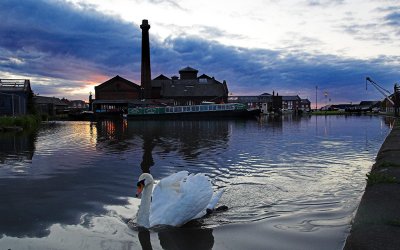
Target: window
[[203, 80]]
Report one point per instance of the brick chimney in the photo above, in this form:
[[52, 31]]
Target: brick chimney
[[146, 71]]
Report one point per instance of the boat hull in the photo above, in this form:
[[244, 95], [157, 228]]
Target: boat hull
[[238, 114]]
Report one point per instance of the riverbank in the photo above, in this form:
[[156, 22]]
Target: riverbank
[[19, 123], [377, 222]]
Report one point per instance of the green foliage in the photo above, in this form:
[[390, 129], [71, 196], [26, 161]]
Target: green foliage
[[395, 223], [27, 121], [376, 178]]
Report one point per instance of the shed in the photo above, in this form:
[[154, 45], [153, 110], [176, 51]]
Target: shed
[[15, 96], [50, 105]]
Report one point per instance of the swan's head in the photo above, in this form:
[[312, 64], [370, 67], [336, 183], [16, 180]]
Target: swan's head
[[144, 180]]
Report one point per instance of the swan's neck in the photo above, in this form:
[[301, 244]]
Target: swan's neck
[[144, 208]]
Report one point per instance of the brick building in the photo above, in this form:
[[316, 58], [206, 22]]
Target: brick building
[[113, 96]]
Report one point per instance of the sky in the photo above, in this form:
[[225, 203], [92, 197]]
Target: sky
[[317, 49]]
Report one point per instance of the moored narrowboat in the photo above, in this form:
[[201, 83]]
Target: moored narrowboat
[[237, 110]]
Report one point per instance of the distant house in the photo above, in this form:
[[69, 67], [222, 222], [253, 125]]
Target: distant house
[[305, 105], [266, 102], [387, 106], [291, 103], [369, 105], [77, 104], [250, 101], [344, 106], [15, 96], [50, 105]]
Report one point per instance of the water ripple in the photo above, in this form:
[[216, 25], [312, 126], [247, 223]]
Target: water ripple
[[293, 176]]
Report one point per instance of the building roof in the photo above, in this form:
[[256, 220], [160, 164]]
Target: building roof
[[343, 105], [49, 100], [188, 69], [369, 103], [161, 77], [117, 78], [204, 76], [291, 98], [15, 85]]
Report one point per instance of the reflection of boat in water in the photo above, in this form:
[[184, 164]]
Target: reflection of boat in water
[[82, 116], [229, 110]]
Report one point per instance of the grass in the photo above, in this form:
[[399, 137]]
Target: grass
[[395, 223], [397, 123], [26, 122], [386, 164], [376, 178]]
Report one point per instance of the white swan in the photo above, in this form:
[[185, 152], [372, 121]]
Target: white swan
[[176, 199]]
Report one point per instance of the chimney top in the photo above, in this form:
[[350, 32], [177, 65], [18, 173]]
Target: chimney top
[[145, 24]]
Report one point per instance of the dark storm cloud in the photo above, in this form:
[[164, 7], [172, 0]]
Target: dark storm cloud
[[66, 45], [259, 70], [49, 37], [383, 30], [393, 19]]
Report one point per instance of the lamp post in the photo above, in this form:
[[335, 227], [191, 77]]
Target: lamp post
[[326, 98]]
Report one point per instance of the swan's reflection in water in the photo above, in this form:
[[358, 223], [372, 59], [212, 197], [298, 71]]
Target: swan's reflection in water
[[180, 238]]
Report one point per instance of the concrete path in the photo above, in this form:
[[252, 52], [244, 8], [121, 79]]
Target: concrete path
[[377, 222]]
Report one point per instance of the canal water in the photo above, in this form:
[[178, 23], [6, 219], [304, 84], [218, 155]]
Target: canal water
[[290, 183]]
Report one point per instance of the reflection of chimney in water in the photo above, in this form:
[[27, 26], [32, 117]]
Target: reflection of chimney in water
[[146, 71]]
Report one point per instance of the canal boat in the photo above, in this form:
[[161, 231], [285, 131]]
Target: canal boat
[[204, 111], [82, 116]]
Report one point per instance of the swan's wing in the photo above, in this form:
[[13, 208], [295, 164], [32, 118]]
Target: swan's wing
[[173, 179], [215, 198], [165, 193], [176, 206], [211, 205], [167, 190]]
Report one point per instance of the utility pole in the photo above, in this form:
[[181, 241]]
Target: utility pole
[[396, 100], [316, 97]]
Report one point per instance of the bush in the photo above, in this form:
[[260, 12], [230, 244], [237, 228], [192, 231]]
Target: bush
[[27, 121]]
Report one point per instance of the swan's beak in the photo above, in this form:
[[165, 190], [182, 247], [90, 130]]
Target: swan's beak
[[139, 191], [140, 186]]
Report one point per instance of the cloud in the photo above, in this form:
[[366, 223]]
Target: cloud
[[382, 27], [170, 3], [258, 70], [393, 20], [65, 47], [324, 3], [55, 35]]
